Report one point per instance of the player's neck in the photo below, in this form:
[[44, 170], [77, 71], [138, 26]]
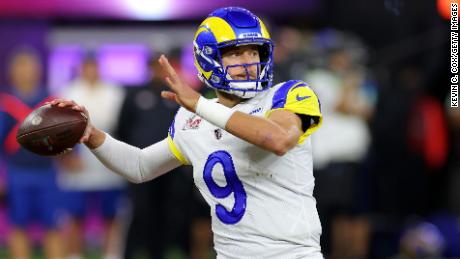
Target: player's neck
[[227, 99]]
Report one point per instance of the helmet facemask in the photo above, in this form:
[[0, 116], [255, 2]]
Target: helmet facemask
[[248, 87]]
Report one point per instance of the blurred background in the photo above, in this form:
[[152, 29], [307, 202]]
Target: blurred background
[[387, 158]]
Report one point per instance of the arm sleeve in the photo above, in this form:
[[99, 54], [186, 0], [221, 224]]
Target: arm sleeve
[[135, 164]]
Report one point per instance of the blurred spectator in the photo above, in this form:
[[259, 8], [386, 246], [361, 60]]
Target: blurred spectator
[[449, 226], [421, 240], [31, 180], [86, 182], [339, 150], [289, 60], [409, 149], [454, 162], [161, 216], [450, 223]]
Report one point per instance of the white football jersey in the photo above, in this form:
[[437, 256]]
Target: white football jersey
[[262, 205]]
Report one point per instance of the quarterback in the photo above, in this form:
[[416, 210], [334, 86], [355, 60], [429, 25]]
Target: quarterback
[[249, 148]]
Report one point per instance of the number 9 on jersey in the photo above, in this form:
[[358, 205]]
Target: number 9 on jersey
[[234, 185]]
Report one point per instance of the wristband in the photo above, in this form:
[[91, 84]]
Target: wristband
[[213, 112]]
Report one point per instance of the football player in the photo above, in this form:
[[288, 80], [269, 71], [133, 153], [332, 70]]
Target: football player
[[249, 148]]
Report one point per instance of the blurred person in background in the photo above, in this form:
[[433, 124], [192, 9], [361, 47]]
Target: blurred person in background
[[448, 219], [289, 57], [421, 240], [410, 149], [340, 148], [144, 119], [87, 184], [32, 193], [453, 115]]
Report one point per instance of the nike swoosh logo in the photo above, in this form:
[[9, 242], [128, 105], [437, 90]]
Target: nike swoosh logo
[[300, 98]]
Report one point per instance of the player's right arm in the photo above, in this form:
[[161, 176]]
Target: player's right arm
[[135, 164]]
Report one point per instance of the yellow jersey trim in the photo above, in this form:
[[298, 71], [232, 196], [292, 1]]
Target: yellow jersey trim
[[176, 151]]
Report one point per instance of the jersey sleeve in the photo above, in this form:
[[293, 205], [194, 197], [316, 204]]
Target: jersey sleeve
[[297, 97], [174, 140]]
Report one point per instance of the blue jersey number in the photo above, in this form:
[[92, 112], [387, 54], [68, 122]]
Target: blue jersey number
[[234, 185]]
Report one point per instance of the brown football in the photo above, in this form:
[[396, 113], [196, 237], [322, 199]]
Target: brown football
[[51, 130]]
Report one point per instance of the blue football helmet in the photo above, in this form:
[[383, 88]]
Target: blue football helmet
[[226, 27]]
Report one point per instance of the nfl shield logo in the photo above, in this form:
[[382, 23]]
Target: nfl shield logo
[[218, 133]]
